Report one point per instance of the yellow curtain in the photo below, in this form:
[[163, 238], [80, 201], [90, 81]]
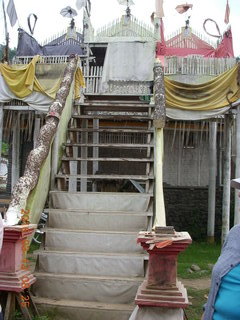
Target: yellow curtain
[[22, 80], [206, 96]]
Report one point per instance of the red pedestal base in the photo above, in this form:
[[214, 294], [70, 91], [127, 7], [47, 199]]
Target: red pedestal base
[[161, 288], [172, 297], [14, 273]]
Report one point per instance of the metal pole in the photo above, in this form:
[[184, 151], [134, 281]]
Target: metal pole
[[226, 176], [237, 168], [212, 180], [6, 51], [1, 129]]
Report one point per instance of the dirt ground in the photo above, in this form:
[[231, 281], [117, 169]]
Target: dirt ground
[[200, 284]]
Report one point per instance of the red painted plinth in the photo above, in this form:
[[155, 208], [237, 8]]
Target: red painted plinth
[[14, 273], [161, 288]]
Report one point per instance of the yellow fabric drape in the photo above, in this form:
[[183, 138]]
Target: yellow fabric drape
[[206, 96], [22, 80]]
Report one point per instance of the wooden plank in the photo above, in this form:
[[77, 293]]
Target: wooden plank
[[95, 150], [109, 159], [111, 177], [1, 129], [237, 168], [111, 117], [84, 154], [93, 102], [109, 145], [139, 130], [72, 185], [115, 104], [115, 108], [15, 152]]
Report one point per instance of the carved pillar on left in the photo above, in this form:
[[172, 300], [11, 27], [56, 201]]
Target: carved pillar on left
[[15, 276]]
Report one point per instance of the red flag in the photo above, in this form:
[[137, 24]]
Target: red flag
[[181, 8], [227, 13]]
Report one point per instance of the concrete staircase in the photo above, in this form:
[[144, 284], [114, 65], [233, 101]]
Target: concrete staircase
[[90, 265]]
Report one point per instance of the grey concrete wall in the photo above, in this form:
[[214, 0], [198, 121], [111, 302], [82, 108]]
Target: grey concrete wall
[[187, 209]]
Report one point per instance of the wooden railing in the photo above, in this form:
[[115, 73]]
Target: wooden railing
[[125, 28], [197, 65], [172, 36], [192, 65], [93, 79]]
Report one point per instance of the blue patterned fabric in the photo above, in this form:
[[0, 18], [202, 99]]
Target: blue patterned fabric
[[227, 304], [229, 259]]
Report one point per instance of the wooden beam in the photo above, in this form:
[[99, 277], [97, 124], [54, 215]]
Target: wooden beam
[[37, 124], [212, 180], [226, 176], [1, 129], [15, 152], [237, 169]]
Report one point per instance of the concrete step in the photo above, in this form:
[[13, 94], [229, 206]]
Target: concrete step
[[97, 221], [82, 310], [94, 241], [91, 264], [101, 201], [85, 288]]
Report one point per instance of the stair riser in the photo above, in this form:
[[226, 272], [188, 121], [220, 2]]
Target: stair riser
[[100, 201], [92, 242], [77, 313], [105, 291], [119, 266], [97, 222]]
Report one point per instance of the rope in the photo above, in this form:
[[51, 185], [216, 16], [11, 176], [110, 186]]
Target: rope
[[217, 27]]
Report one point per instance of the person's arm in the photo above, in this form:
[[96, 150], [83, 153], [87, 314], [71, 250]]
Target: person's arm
[[202, 316]]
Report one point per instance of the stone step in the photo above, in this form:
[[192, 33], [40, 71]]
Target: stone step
[[82, 310], [85, 288], [101, 201], [91, 263], [94, 241], [96, 221]]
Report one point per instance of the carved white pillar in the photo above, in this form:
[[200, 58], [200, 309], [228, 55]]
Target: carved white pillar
[[159, 118], [237, 168]]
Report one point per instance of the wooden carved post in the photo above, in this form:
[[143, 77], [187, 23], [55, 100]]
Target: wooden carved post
[[29, 180], [159, 118]]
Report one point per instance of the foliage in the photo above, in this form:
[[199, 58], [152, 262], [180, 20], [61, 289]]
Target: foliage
[[201, 254], [197, 298], [12, 52], [5, 148], [18, 316]]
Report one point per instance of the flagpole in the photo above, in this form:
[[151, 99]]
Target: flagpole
[[6, 50]]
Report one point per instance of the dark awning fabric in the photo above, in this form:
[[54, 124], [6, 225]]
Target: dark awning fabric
[[28, 46]]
